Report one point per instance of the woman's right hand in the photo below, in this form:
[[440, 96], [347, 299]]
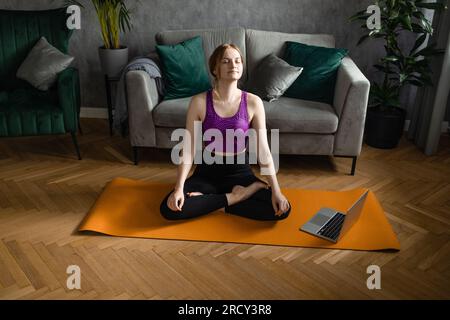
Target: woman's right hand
[[176, 200]]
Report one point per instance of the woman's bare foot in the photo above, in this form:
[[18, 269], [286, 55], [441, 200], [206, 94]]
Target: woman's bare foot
[[194, 193], [240, 193]]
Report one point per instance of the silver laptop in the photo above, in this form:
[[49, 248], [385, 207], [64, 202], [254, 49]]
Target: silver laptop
[[331, 224]]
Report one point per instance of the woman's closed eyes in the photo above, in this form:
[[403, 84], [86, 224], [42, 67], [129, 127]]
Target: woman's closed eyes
[[238, 60]]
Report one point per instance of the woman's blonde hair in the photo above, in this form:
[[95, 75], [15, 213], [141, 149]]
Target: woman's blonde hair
[[217, 55]]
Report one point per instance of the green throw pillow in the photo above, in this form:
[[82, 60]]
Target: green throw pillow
[[184, 68], [320, 65]]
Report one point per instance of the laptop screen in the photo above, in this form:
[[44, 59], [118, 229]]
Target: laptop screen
[[353, 214]]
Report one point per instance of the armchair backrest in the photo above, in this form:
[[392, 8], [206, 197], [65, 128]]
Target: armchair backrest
[[19, 32]]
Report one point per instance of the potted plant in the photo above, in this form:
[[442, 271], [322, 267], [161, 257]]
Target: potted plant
[[114, 17], [400, 67]]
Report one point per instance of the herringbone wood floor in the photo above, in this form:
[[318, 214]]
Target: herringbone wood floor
[[45, 192]]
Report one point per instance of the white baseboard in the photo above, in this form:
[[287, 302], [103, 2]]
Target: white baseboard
[[99, 113], [102, 113], [444, 126]]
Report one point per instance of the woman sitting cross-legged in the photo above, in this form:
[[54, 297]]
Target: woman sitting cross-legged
[[229, 185]]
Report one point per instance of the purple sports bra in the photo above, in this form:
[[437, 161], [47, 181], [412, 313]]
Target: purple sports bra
[[236, 122]]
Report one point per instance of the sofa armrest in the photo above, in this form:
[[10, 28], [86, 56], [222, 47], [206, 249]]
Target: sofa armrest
[[350, 102], [142, 97], [68, 86]]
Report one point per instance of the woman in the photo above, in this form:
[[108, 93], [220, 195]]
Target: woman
[[232, 187]]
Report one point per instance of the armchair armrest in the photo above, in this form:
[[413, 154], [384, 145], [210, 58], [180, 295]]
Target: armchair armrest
[[68, 86], [142, 97], [350, 102]]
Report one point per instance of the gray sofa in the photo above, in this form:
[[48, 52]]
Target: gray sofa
[[305, 127]]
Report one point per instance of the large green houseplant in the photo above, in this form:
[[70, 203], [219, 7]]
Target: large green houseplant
[[399, 66], [113, 17]]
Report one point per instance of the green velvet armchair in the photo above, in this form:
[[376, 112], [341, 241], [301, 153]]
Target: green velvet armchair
[[25, 110]]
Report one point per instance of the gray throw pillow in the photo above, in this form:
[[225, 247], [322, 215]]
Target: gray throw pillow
[[272, 77], [43, 63]]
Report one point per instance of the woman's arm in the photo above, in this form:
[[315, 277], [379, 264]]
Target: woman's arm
[[279, 202], [264, 156], [188, 152]]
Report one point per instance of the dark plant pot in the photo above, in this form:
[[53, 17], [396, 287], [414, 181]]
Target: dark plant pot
[[384, 127], [113, 60]]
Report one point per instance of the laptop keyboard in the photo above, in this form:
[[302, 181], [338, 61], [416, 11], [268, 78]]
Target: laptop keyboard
[[332, 228]]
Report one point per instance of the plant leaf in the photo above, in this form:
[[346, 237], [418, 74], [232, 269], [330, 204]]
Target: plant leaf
[[358, 16], [415, 83], [419, 41], [406, 22], [429, 51], [362, 39], [390, 58], [431, 5]]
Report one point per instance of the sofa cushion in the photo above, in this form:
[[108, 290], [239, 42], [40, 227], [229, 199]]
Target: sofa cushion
[[285, 114], [272, 78], [302, 116], [260, 43], [318, 78], [171, 113], [211, 39], [183, 68]]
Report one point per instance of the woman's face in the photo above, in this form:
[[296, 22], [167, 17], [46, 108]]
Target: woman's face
[[230, 66]]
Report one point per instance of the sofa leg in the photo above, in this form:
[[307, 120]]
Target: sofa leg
[[136, 155], [354, 158], [74, 139], [353, 165]]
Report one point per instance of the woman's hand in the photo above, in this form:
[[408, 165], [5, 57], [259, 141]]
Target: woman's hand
[[280, 203], [176, 200]]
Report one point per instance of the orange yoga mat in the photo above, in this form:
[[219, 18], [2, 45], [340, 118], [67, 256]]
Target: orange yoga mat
[[130, 208]]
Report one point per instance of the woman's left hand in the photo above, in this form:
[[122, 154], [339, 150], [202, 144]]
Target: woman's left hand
[[280, 203]]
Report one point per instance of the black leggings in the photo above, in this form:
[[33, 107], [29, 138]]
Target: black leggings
[[214, 181]]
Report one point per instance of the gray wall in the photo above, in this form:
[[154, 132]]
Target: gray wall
[[151, 16]]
